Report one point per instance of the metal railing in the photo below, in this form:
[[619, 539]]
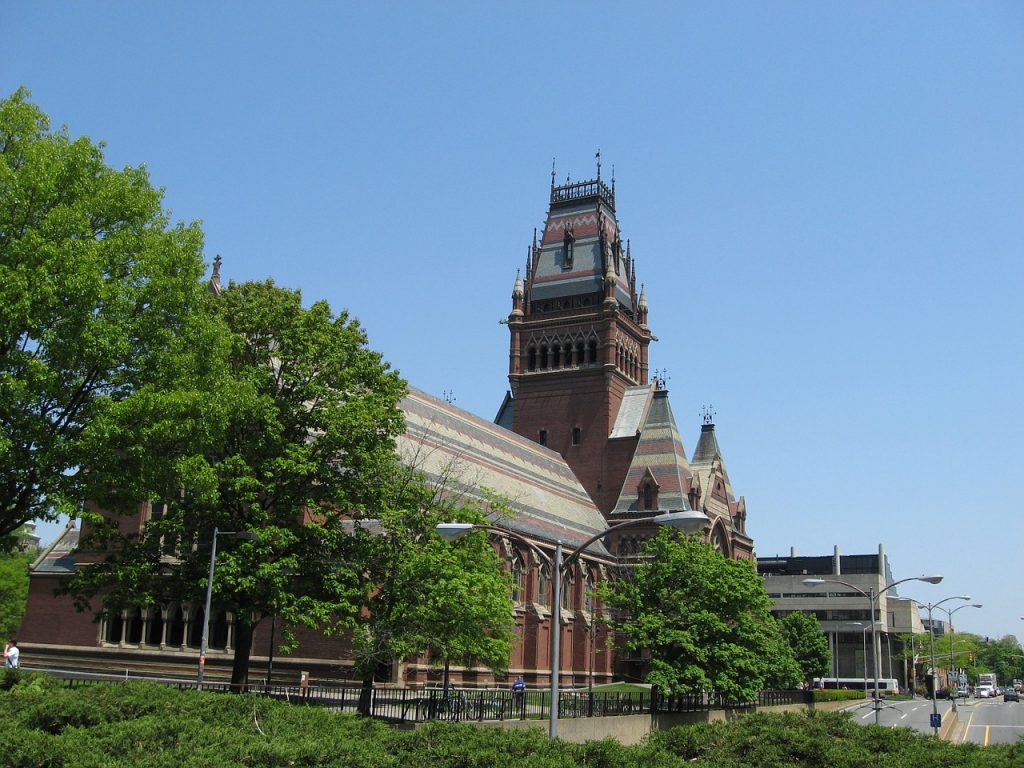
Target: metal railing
[[415, 705]]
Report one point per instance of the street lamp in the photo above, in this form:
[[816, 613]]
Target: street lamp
[[935, 671], [872, 597], [241, 536], [949, 617], [686, 521]]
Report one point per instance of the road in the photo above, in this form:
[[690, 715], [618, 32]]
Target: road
[[915, 713], [990, 721], [981, 721]]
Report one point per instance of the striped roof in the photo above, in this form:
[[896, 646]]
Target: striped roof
[[659, 451], [548, 501], [58, 558]]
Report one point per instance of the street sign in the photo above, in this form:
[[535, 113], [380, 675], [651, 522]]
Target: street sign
[[936, 719]]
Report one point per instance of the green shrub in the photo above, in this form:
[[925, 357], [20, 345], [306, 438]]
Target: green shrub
[[147, 726]]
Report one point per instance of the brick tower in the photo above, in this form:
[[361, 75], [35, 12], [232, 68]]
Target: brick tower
[[579, 338]]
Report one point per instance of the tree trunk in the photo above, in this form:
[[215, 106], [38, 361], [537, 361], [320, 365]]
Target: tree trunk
[[365, 696], [243, 648]]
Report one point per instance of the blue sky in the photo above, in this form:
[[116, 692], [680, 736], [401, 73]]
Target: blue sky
[[824, 201]]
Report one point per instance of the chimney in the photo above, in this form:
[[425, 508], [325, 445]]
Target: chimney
[[836, 568]]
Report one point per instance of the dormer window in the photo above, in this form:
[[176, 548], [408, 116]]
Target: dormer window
[[647, 492]]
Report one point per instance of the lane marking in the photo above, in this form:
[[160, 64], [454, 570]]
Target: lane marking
[[970, 720], [985, 744]]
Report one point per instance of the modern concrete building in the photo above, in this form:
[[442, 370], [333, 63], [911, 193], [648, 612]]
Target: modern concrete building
[[843, 612]]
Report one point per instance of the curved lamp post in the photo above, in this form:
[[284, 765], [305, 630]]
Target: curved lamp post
[[686, 521], [241, 536], [935, 671], [872, 597], [949, 618]]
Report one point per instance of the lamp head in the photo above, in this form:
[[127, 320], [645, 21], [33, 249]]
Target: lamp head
[[934, 579], [812, 582], [452, 531], [687, 521]]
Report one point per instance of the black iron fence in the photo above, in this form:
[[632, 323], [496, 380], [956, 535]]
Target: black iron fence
[[415, 705]]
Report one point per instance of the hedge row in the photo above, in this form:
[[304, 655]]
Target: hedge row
[[149, 726]]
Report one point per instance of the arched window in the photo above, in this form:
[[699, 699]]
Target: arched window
[[155, 628], [518, 581], [115, 628], [531, 358], [578, 358], [544, 586], [544, 357], [133, 627], [175, 626], [591, 352]]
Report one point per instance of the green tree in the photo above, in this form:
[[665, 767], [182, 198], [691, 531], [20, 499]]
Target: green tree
[[452, 600], [13, 591], [705, 619], [290, 448], [808, 643], [97, 293]]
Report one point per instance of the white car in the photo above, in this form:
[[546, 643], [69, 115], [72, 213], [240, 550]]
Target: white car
[[983, 692]]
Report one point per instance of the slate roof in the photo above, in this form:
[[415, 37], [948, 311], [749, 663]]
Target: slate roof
[[554, 278], [659, 450], [549, 502], [58, 558]]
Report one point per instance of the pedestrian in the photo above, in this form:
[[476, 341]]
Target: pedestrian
[[518, 689], [11, 654]]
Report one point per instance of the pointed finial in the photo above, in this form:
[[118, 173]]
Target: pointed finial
[[707, 414], [643, 297], [217, 261], [598, 163], [517, 288], [552, 173]]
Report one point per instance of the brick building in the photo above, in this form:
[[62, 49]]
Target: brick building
[[584, 438]]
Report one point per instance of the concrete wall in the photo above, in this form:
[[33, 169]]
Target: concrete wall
[[633, 729]]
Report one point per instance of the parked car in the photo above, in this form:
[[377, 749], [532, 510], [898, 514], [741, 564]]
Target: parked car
[[962, 693], [1011, 695], [983, 692]]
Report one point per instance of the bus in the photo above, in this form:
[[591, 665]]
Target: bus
[[887, 685]]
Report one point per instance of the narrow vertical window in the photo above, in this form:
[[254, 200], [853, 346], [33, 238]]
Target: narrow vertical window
[[543, 438], [577, 434]]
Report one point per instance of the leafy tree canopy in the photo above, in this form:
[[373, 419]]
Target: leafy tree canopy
[[424, 594], [808, 643], [97, 293], [705, 619], [289, 446], [13, 591]]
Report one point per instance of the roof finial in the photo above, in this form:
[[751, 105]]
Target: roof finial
[[613, 179], [217, 261], [707, 414], [598, 163], [552, 174]]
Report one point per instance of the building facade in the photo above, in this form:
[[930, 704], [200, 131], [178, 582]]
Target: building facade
[[844, 613], [585, 438]]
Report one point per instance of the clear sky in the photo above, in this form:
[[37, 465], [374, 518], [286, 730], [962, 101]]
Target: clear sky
[[824, 202]]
